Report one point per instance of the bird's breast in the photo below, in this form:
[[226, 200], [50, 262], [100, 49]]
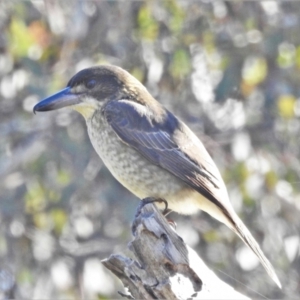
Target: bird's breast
[[134, 171]]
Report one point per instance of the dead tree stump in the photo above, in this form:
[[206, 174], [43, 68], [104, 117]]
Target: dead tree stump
[[164, 266]]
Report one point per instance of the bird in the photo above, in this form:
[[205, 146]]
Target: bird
[[149, 150]]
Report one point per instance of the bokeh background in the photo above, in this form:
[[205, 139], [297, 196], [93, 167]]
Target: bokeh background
[[230, 70]]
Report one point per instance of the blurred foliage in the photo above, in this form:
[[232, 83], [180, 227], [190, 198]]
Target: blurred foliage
[[148, 27], [229, 69]]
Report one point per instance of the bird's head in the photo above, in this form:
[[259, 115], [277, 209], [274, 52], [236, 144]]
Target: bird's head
[[91, 88]]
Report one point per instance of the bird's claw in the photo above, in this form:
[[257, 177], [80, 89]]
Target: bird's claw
[[153, 200]]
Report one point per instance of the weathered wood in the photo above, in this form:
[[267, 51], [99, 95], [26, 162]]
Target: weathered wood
[[165, 267]]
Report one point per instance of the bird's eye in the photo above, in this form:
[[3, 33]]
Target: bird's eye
[[90, 83]]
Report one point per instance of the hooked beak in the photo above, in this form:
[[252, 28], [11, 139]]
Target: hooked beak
[[61, 99]]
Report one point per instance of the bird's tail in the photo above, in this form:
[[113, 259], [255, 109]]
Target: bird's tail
[[242, 231]]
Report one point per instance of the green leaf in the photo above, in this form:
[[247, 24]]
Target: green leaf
[[181, 64], [20, 38], [148, 27], [286, 106], [59, 218]]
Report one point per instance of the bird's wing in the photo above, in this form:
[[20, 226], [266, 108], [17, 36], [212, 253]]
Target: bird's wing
[[167, 142]]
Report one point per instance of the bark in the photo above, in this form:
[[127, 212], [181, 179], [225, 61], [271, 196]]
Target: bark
[[164, 267]]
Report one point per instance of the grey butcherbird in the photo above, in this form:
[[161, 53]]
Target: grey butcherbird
[[149, 150]]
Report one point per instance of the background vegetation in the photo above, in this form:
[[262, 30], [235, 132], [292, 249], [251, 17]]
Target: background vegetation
[[231, 70]]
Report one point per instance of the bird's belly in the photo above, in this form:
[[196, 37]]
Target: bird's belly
[[137, 174]]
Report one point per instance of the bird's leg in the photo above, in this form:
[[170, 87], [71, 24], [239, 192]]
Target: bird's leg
[[153, 200], [165, 212]]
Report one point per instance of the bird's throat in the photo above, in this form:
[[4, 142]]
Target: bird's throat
[[85, 110]]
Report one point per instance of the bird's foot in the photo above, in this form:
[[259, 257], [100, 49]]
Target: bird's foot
[[165, 212], [153, 200]]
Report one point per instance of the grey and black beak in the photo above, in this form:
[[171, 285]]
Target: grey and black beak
[[61, 99]]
